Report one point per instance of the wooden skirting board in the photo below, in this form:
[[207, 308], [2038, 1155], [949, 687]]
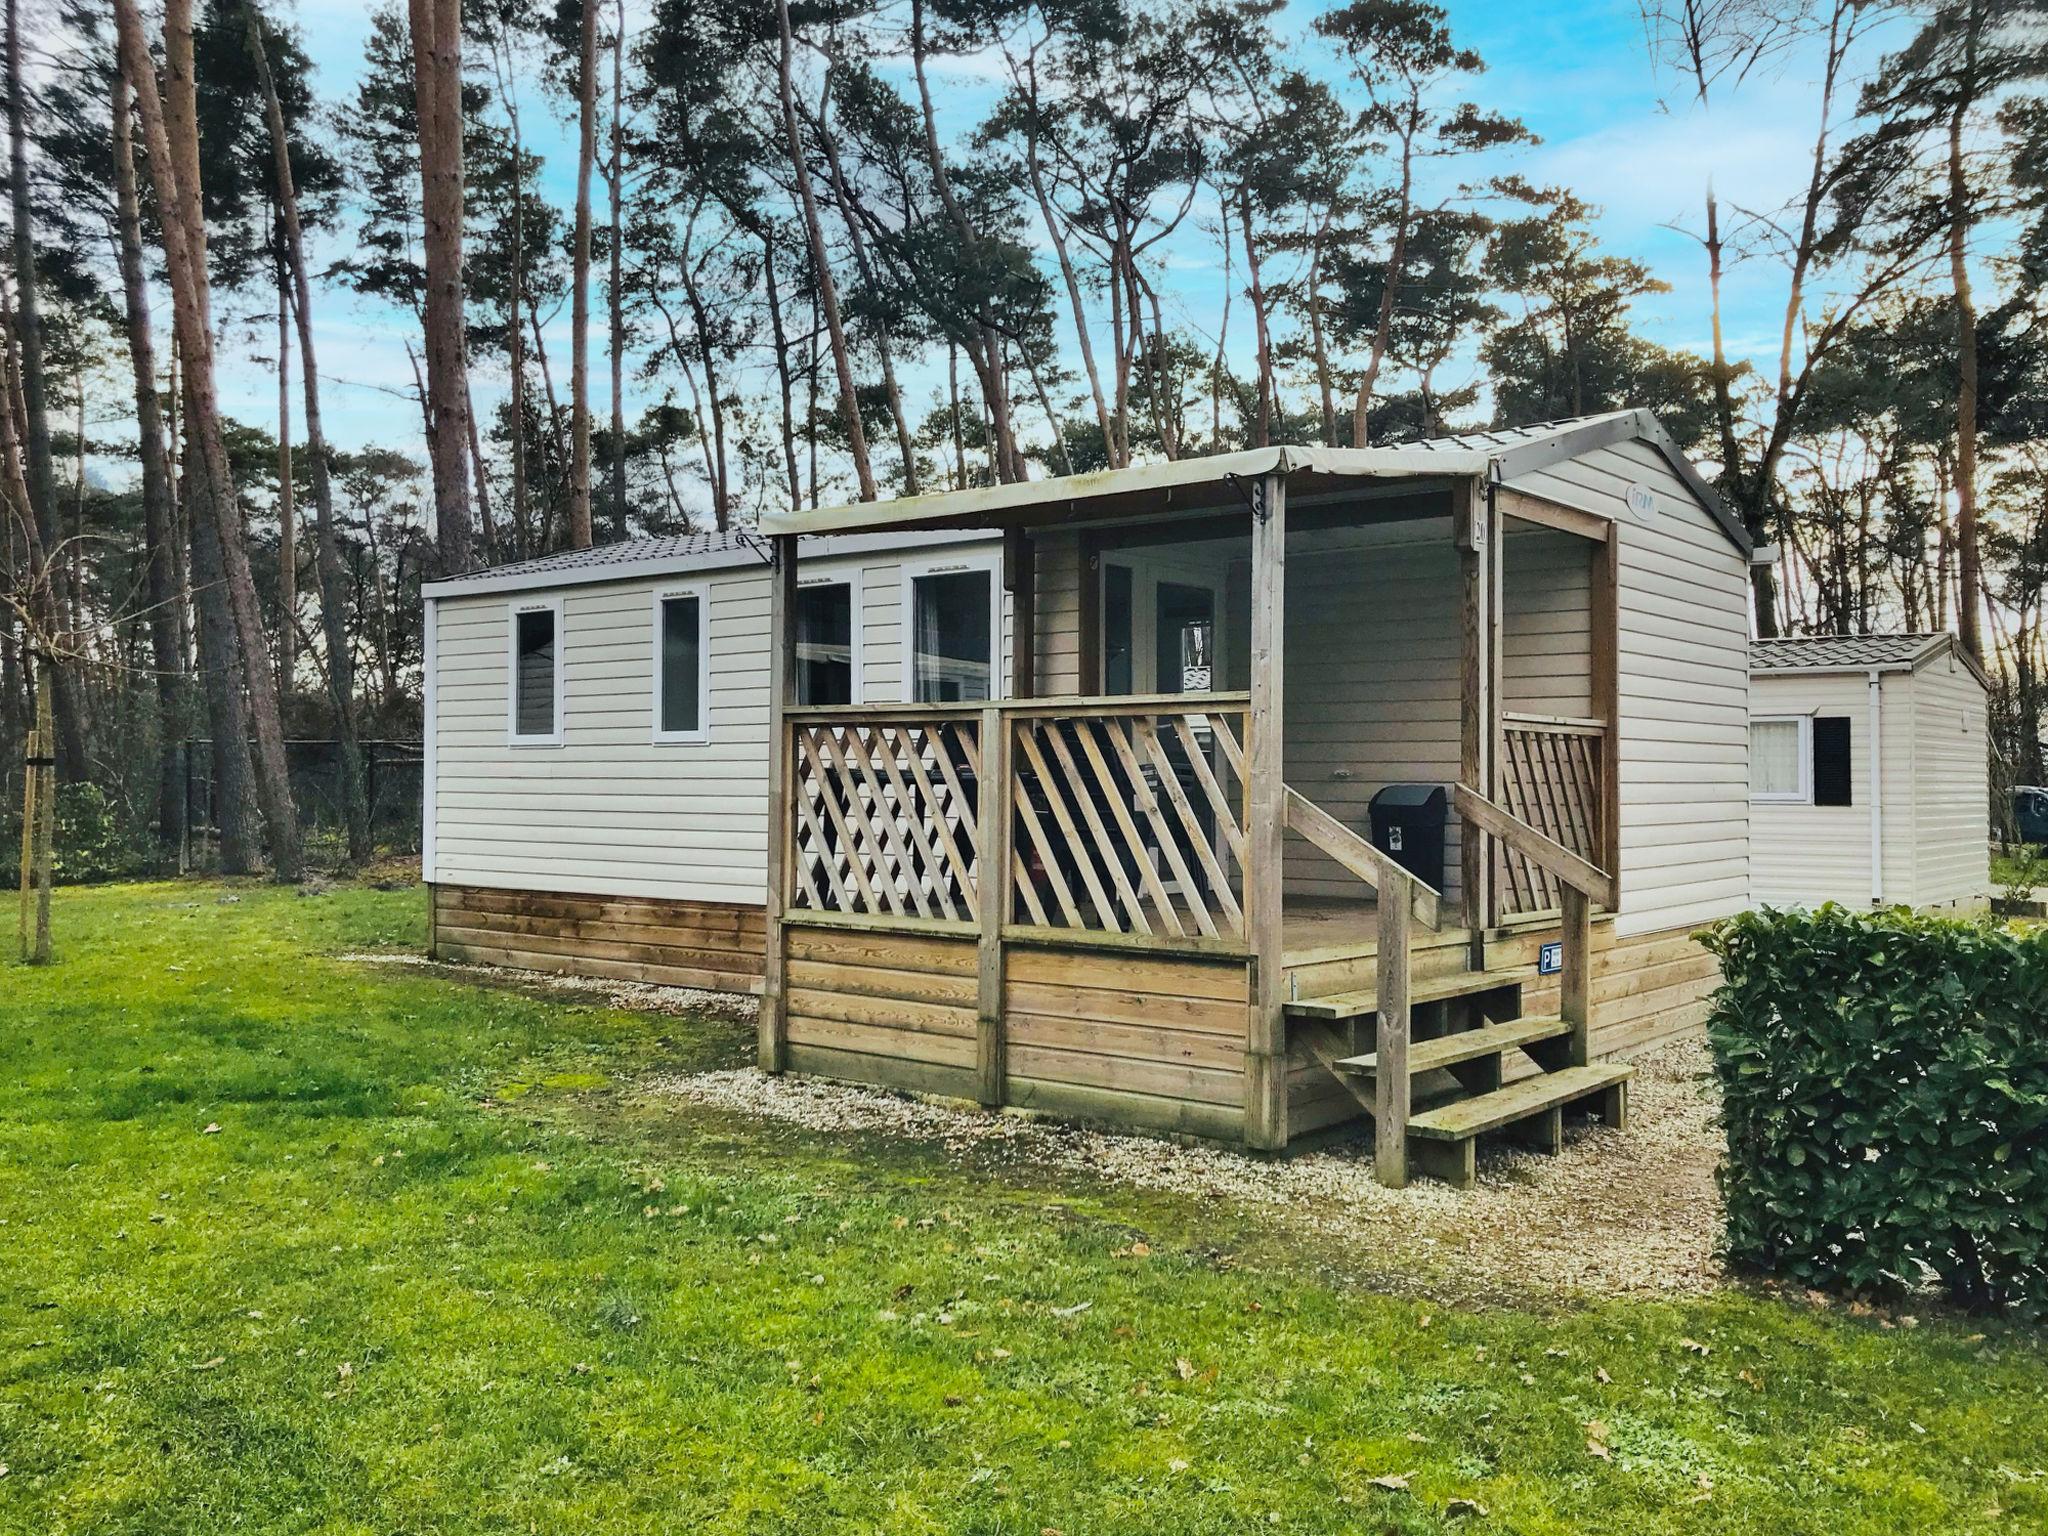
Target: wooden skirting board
[[716, 946], [1152, 1042]]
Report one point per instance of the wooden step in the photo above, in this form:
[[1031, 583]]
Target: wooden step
[[1466, 1118], [1431, 989], [1467, 1045]]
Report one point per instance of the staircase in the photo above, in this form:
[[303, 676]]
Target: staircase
[[1467, 1031]]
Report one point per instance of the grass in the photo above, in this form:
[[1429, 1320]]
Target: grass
[[438, 1270]]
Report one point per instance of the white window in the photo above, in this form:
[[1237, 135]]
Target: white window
[[682, 665], [534, 674], [955, 617], [1781, 760], [827, 642]]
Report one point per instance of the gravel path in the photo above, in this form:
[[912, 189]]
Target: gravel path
[[1616, 1213]]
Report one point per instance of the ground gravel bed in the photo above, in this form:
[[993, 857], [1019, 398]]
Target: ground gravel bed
[[1615, 1213]]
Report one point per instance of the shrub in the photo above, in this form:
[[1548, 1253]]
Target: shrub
[[1885, 1079]]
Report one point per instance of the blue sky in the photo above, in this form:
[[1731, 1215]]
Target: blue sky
[[1576, 73]]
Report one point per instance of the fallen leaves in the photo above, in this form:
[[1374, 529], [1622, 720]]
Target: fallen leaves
[[212, 1128], [1392, 1482], [1596, 1440]]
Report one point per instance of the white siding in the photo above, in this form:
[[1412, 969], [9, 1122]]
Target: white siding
[[609, 811], [1684, 684], [1934, 767], [1803, 855], [1951, 786]]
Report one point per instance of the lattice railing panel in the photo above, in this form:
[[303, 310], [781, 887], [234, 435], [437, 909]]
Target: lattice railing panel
[[1550, 777], [1130, 820], [883, 817]]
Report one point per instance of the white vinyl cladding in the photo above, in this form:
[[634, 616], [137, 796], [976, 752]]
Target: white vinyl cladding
[[611, 811], [1934, 767], [1683, 681]]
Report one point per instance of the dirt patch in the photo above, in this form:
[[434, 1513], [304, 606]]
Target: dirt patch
[[1615, 1213], [634, 996]]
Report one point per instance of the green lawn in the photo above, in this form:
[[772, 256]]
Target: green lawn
[[436, 1271]]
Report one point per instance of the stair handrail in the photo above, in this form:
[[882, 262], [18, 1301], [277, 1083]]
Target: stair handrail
[[1375, 867], [1586, 878]]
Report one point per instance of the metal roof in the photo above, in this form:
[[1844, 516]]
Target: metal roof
[[1183, 485], [1851, 653], [677, 555]]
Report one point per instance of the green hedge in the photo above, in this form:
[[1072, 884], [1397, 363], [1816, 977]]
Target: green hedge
[[1885, 1079]]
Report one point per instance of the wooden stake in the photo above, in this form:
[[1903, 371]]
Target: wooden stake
[[1265, 830], [991, 889], [1390, 1059], [773, 1035]]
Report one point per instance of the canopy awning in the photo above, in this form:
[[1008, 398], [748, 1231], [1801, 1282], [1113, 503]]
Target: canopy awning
[[1184, 485]]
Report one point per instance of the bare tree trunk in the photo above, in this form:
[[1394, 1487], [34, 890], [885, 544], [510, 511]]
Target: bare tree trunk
[[984, 351], [1263, 429], [1072, 280], [618, 288], [1969, 558], [579, 345], [340, 668], [220, 681], [821, 261], [1383, 328], [842, 196], [796, 484], [437, 88], [1318, 341], [46, 573], [287, 513], [475, 444], [700, 316], [174, 163], [547, 379], [159, 515], [516, 339]]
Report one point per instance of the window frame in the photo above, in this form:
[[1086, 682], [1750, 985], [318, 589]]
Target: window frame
[[513, 735], [849, 579], [991, 566], [1803, 795], [668, 592]]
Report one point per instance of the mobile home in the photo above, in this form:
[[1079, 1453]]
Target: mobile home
[[1060, 795], [1870, 772]]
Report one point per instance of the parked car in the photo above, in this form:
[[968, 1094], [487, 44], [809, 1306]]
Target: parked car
[[2030, 813]]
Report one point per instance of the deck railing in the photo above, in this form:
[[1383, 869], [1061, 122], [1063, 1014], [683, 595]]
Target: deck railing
[[1129, 816], [882, 809], [1125, 816], [1551, 778]]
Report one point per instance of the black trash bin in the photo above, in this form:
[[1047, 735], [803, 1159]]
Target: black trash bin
[[1408, 823]]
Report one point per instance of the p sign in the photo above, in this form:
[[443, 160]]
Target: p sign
[[1550, 959]]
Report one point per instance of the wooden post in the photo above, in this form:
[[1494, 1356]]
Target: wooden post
[[991, 900], [1476, 711], [31, 777], [1575, 982], [1020, 580], [774, 1024], [1390, 1049], [1265, 830]]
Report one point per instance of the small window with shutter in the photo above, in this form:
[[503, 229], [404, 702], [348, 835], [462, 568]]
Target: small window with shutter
[[1832, 781]]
